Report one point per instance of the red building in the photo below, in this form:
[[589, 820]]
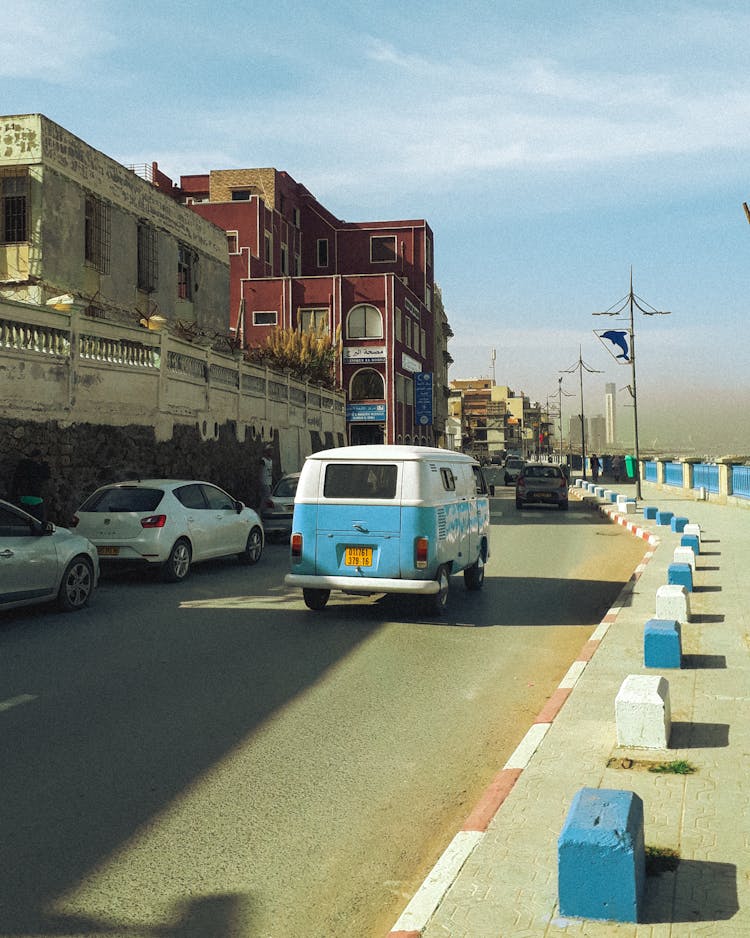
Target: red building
[[294, 264]]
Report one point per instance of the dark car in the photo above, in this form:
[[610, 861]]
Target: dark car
[[277, 510], [544, 483]]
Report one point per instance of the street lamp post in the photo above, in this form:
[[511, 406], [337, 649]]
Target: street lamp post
[[631, 302], [580, 366]]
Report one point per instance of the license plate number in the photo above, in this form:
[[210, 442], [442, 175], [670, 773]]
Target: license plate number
[[358, 557], [108, 551]]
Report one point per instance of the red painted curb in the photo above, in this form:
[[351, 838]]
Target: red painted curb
[[494, 795]]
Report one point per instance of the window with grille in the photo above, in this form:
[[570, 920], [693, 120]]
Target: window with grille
[[15, 208], [148, 262], [97, 233], [184, 272], [322, 252]]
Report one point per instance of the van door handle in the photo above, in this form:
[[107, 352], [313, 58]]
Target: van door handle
[[360, 527]]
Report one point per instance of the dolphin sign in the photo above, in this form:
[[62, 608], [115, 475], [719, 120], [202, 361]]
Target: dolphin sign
[[618, 338]]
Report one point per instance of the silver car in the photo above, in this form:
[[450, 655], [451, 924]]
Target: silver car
[[169, 524], [543, 483], [40, 562], [277, 510]]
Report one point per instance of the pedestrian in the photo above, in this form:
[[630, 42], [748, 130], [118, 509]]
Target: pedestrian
[[595, 467], [617, 467], [28, 484], [266, 473]]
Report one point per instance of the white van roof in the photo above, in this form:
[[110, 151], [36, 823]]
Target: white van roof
[[380, 451]]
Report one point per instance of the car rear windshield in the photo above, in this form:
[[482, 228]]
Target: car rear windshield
[[286, 488], [123, 499], [358, 480], [542, 472]]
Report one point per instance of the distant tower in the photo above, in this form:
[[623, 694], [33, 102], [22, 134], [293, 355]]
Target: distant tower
[[610, 413]]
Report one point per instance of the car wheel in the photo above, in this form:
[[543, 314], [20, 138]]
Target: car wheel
[[177, 565], [253, 548], [315, 599], [474, 575], [77, 584], [437, 602]]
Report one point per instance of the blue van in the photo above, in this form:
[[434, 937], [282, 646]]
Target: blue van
[[388, 519]]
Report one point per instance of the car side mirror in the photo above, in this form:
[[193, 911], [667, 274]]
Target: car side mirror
[[238, 507], [46, 528]]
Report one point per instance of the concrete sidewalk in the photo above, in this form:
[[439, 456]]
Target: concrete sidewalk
[[498, 878]]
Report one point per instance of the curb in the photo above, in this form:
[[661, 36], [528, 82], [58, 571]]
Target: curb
[[423, 905]]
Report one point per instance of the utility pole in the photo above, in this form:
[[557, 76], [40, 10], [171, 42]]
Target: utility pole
[[632, 302], [580, 366]]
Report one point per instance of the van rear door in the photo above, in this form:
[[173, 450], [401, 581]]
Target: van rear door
[[359, 520]]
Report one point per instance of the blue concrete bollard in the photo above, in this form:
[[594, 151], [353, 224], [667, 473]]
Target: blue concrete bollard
[[691, 540], [601, 856], [613, 496], [599, 491], [649, 512], [678, 524], [662, 644], [680, 574], [664, 517]]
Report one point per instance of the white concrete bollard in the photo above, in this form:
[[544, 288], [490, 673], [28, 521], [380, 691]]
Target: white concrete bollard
[[643, 713], [685, 555], [626, 506], [694, 529], [672, 602]]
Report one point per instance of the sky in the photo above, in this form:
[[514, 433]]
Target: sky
[[553, 147]]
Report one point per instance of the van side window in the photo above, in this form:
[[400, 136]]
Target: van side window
[[449, 480], [356, 480], [479, 483]]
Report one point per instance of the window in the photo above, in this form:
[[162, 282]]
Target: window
[[265, 317], [383, 249], [296, 217], [428, 251], [313, 320], [217, 499], [241, 195], [268, 246], [449, 480], [358, 480], [232, 242], [480, 485], [15, 209], [184, 272], [284, 261], [367, 385], [407, 332], [297, 265], [148, 261], [97, 233], [322, 252], [364, 322], [397, 318]]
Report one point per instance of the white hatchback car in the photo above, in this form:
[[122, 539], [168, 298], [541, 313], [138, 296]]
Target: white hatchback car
[[40, 562], [169, 523]]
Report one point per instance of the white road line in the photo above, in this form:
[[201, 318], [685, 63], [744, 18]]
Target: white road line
[[422, 907], [16, 701]]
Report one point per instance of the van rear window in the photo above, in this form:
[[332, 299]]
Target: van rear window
[[359, 480]]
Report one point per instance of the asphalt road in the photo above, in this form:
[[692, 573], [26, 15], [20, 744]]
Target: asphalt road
[[211, 759]]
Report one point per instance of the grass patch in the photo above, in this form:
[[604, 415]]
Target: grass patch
[[661, 860], [676, 767]]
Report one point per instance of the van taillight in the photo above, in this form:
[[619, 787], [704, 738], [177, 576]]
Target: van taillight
[[154, 521], [421, 550], [295, 543]]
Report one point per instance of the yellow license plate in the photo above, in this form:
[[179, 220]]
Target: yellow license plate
[[358, 557], [108, 551]]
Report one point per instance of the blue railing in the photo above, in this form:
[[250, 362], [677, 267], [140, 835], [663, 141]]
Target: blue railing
[[650, 474], [673, 474], [741, 481], [706, 475]]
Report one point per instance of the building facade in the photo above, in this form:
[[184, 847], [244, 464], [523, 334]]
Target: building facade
[[295, 265]]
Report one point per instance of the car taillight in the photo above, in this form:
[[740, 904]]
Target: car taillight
[[521, 482], [295, 543], [154, 521], [421, 551], [74, 521]]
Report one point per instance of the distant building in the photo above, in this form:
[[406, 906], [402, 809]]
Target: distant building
[[296, 265]]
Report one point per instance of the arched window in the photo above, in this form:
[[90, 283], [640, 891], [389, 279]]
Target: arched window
[[367, 385], [364, 322]]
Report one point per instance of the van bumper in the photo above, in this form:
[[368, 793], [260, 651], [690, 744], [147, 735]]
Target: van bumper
[[371, 584]]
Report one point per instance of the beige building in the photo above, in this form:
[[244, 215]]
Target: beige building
[[76, 223]]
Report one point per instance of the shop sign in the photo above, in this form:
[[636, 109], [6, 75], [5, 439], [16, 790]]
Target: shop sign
[[423, 398], [409, 364], [363, 354], [368, 413]]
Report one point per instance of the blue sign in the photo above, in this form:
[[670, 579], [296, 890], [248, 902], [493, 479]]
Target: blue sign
[[374, 413], [423, 398]]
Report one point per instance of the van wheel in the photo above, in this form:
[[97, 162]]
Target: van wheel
[[438, 601], [474, 575], [315, 599]]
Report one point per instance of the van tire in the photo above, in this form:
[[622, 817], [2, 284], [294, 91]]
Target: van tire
[[474, 575], [438, 601], [315, 599]]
